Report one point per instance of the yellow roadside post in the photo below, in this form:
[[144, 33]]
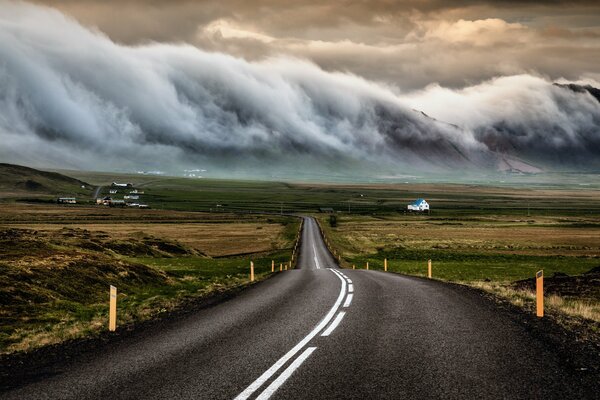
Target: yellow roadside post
[[112, 317], [272, 265], [280, 267], [367, 265], [539, 292], [251, 271], [353, 266], [385, 264], [429, 269]]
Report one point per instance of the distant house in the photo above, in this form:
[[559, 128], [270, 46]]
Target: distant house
[[67, 200], [327, 210], [112, 191], [131, 197], [122, 184], [117, 203], [418, 205], [135, 191], [107, 201]]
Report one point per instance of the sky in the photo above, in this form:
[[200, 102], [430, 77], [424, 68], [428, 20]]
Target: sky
[[406, 43], [272, 88]]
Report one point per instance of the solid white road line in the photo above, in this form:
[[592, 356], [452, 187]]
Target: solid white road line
[[272, 388], [275, 367], [350, 288], [334, 324], [316, 258], [348, 300]]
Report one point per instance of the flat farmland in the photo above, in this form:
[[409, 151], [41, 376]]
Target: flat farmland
[[498, 253], [540, 236], [210, 239], [57, 262]]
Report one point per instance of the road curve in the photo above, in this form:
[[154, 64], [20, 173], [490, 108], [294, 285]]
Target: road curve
[[320, 332]]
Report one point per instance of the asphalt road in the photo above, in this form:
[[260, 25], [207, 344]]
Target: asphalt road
[[319, 332]]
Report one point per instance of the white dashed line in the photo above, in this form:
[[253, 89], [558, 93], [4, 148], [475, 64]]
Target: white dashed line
[[272, 388], [350, 288], [254, 386], [316, 258], [334, 324], [348, 300]]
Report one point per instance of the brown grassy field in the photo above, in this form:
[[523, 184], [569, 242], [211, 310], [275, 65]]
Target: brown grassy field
[[210, 239], [491, 252], [559, 236], [56, 264], [212, 234]]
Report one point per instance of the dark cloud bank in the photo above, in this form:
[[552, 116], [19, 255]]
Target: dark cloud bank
[[70, 97]]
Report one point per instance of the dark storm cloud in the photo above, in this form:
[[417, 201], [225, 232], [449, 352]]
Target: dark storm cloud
[[69, 95], [398, 42]]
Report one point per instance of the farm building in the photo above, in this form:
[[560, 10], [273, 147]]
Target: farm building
[[105, 200], [109, 201], [122, 184], [112, 191], [67, 200], [418, 205], [131, 197]]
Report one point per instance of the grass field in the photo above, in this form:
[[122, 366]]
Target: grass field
[[536, 196], [200, 234], [490, 252], [56, 264]]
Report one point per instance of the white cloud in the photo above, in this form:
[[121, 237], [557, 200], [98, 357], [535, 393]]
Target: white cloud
[[68, 93]]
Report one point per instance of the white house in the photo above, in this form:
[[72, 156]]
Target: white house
[[418, 205]]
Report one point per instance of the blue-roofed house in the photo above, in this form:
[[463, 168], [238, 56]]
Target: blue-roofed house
[[418, 205]]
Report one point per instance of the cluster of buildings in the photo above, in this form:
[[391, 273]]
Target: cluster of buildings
[[66, 200], [128, 200]]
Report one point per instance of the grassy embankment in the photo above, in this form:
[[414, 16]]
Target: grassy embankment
[[56, 267]]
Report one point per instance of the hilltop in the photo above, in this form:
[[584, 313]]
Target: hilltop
[[19, 181]]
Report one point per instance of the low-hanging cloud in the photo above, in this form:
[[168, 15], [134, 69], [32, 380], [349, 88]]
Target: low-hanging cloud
[[71, 97]]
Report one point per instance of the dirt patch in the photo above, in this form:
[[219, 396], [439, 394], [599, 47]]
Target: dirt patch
[[584, 286]]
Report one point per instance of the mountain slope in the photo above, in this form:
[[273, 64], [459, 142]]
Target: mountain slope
[[17, 181]]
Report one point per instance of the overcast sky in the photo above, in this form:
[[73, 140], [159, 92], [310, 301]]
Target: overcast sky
[[347, 86], [409, 44]]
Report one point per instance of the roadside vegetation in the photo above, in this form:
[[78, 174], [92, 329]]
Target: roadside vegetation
[[54, 277], [498, 253]]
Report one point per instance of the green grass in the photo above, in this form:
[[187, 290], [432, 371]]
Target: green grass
[[55, 288], [453, 266], [448, 200], [208, 269]]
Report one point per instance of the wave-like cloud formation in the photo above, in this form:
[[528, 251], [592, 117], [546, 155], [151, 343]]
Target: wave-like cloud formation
[[69, 96]]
